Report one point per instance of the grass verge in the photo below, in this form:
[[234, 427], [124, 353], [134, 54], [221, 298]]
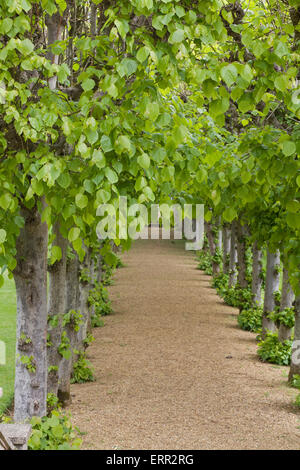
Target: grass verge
[[8, 336]]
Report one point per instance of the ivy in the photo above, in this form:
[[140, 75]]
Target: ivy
[[29, 362], [64, 348], [273, 351], [82, 370], [53, 433], [72, 318]]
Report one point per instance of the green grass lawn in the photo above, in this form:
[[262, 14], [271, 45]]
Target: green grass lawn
[[8, 336]]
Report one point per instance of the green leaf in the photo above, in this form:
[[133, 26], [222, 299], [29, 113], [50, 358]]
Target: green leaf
[[73, 234], [111, 175], [106, 144], [246, 176], [177, 36], [64, 180], [5, 201], [102, 196], [82, 148], [229, 214], [35, 440], [229, 74], [92, 135], [81, 201], [281, 49], [246, 73], [2, 235], [6, 25], [63, 73], [293, 206], [141, 182], [281, 82], [130, 66], [99, 159], [293, 220], [143, 54], [289, 148], [164, 120], [26, 47], [144, 161], [157, 22], [246, 104], [179, 134], [219, 106], [58, 431], [122, 144], [55, 254], [258, 48], [112, 90], [122, 27], [180, 11], [26, 5], [147, 4], [191, 17], [200, 75], [88, 84], [159, 155], [88, 186], [149, 193]]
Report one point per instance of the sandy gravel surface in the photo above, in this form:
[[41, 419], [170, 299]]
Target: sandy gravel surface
[[174, 371]]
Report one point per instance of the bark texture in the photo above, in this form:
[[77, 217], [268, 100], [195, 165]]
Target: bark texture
[[213, 245], [233, 257], [92, 272], [31, 285], [93, 19], [226, 237], [72, 303], [287, 299], [295, 361], [99, 272], [241, 254], [272, 285], [257, 280], [84, 287], [220, 239], [55, 27], [56, 309]]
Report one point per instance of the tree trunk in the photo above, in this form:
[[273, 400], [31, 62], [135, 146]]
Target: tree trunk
[[55, 27], [56, 309], [99, 272], [295, 361], [84, 287], [272, 286], [30, 277], [241, 254], [287, 299], [93, 19], [226, 249], [91, 287], [54, 33], [233, 258], [212, 247], [65, 369], [257, 279], [220, 240]]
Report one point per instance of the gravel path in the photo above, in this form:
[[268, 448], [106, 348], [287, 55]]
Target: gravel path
[[174, 371]]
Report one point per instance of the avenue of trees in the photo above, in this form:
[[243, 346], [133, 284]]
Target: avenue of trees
[[160, 101]]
